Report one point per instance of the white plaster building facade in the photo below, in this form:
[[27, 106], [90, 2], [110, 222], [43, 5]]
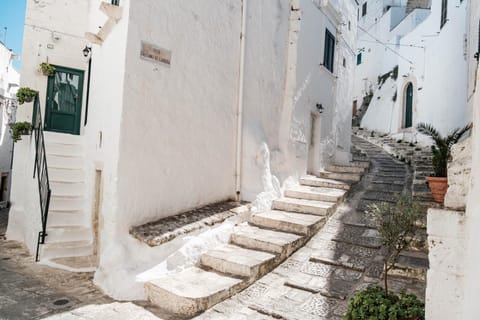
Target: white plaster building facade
[[189, 103], [427, 41], [452, 280], [9, 79]]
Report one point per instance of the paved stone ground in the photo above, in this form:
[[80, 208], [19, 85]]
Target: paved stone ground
[[314, 283], [344, 257]]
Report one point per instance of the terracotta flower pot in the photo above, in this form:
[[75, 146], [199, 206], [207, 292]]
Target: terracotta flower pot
[[438, 186]]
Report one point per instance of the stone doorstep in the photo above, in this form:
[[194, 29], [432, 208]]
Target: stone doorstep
[[276, 242], [320, 259], [145, 236], [316, 193], [302, 224], [191, 291], [347, 168], [314, 181], [344, 176], [237, 261], [314, 207]]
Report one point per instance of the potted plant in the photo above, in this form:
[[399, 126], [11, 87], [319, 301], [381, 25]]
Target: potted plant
[[20, 128], [441, 152], [47, 69], [25, 94]]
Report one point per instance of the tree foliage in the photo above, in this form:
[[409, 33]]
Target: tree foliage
[[396, 224], [441, 150]]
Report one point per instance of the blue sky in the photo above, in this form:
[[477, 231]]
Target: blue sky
[[12, 16]]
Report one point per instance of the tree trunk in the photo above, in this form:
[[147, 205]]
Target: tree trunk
[[385, 278]]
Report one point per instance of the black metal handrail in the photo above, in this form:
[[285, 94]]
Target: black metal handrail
[[41, 170]]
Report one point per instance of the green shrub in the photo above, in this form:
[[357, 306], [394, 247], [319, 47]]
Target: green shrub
[[373, 304], [20, 128], [441, 150], [25, 94], [394, 73]]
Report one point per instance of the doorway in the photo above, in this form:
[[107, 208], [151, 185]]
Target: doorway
[[314, 147], [409, 106], [64, 101]]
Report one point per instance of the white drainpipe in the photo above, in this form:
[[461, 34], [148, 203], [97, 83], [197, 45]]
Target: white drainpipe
[[238, 163]]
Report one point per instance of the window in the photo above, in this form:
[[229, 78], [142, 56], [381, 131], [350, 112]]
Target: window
[[364, 9], [349, 26], [116, 2], [444, 13], [329, 51], [344, 63], [359, 58]]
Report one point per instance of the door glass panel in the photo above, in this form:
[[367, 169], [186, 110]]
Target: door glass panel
[[65, 92]]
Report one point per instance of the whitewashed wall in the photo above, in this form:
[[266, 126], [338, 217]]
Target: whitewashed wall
[[471, 307], [9, 80], [281, 128], [53, 33], [452, 284], [418, 47]]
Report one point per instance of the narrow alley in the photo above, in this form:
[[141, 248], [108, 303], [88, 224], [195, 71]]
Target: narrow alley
[[314, 283]]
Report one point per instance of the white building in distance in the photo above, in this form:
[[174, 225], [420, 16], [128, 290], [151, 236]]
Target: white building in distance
[[407, 50], [9, 80], [158, 107]]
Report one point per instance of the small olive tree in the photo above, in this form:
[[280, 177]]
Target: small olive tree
[[396, 223]]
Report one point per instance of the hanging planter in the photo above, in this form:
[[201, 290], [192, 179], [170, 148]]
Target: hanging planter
[[25, 94], [47, 69], [19, 129]]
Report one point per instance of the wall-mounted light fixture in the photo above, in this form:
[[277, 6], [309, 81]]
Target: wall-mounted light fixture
[[319, 107], [86, 51]]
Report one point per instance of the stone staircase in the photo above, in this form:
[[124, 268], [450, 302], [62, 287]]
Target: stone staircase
[[255, 248], [69, 243]]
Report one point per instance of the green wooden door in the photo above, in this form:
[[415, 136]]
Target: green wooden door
[[408, 106], [64, 101]]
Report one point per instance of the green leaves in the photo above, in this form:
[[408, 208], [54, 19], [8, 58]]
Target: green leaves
[[373, 304], [396, 224], [19, 128], [25, 94], [441, 151]]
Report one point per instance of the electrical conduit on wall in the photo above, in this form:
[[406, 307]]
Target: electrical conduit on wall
[[238, 164]]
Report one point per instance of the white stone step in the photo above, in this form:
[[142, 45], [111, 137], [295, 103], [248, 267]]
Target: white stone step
[[321, 208], [68, 234], [71, 204], [297, 223], [362, 164], [321, 182], [65, 162], [68, 189], [315, 193], [66, 249], [230, 259], [64, 149], [350, 169], [266, 240], [65, 218], [65, 175], [344, 176], [191, 291], [63, 138]]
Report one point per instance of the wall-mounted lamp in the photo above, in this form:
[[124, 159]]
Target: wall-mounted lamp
[[86, 51], [319, 107]]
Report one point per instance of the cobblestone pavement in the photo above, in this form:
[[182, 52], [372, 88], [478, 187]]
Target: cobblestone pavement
[[344, 257], [314, 283]]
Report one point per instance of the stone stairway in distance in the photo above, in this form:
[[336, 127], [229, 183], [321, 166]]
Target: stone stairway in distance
[[257, 248]]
